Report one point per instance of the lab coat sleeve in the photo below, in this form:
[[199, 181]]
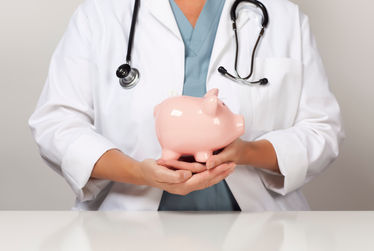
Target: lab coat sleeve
[[62, 123], [312, 143]]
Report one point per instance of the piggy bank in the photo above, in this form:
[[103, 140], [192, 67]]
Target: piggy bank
[[195, 126]]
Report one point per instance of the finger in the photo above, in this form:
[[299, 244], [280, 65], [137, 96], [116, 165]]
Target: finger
[[218, 159], [194, 167], [224, 166], [201, 180], [166, 175]]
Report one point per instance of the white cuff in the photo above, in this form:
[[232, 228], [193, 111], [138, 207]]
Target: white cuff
[[292, 161], [78, 162]]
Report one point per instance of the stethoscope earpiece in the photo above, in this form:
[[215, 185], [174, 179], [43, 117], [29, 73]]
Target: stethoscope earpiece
[[222, 70], [264, 81]]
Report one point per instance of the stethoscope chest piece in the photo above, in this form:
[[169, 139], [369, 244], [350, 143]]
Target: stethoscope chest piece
[[128, 76]]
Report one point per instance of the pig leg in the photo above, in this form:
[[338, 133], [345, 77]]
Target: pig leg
[[202, 156], [169, 155]]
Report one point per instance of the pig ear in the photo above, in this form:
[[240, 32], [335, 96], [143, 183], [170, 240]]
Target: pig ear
[[212, 92], [210, 104]]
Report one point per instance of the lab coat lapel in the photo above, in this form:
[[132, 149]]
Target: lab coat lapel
[[162, 11]]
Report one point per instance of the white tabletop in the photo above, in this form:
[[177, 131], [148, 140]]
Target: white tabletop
[[175, 231]]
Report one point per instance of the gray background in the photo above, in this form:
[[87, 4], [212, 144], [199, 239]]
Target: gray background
[[30, 30]]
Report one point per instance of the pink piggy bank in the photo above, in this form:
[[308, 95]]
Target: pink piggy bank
[[195, 126]]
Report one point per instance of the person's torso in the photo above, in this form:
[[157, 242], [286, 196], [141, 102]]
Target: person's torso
[[125, 116]]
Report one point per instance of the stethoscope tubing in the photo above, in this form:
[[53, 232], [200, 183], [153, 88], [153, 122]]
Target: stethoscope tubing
[[129, 77]]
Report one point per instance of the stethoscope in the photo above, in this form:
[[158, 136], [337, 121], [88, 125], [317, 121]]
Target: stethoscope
[[129, 77]]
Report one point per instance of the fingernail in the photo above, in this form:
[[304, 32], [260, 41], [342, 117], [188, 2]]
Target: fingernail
[[186, 175]]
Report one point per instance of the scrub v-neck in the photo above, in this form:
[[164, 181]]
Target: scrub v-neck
[[198, 43], [194, 37]]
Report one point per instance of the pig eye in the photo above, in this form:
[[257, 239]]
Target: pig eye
[[224, 104]]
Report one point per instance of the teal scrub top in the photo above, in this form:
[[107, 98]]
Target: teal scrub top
[[198, 43]]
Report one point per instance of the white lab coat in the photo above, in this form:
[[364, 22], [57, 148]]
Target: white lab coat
[[83, 111]]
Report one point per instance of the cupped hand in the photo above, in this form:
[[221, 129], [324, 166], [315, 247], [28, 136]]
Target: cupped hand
[[201, 180], [182, 182]]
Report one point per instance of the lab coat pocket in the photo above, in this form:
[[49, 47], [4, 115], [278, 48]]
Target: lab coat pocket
[[272, 106]]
